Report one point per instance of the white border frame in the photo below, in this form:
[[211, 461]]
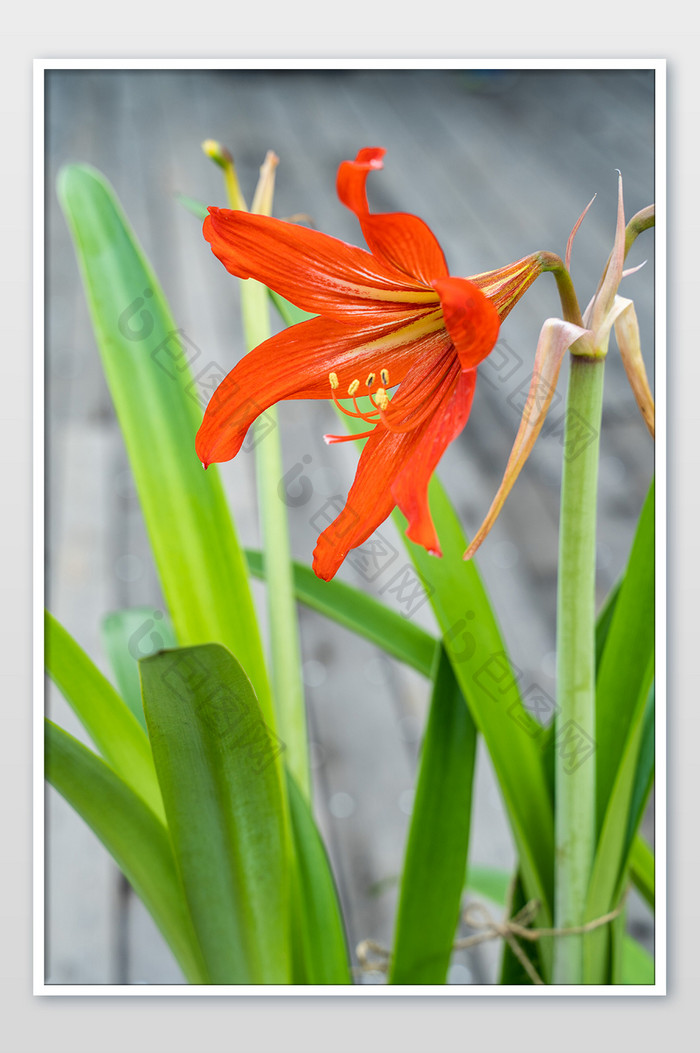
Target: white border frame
[[660, 368]]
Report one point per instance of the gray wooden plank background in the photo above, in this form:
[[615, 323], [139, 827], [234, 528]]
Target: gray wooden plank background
[[499, 163]]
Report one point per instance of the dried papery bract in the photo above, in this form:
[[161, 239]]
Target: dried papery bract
[[605, 311]]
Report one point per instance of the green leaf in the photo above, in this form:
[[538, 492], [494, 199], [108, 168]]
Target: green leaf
[[610, 863], [197, 208], [483, 670], [107, 719], [626, 668], [360, 613], [637, 963], [641, 864], [289, 312], [604, 621], [219, 772], [127, 636], [644, 775], [624, 738], [147, 365], [490, 882], [318, 924], [133, 835], [438, 838]]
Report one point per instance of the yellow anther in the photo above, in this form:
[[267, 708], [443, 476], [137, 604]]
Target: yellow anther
[[353, 387], [333, 377], [382, 399], [384, 374], [370, 380]]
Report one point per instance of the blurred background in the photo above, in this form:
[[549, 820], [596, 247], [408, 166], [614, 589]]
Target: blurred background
[[499, 164]]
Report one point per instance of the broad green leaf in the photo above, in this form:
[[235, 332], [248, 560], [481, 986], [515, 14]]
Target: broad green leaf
[[438, 838], [626, 668], [641, 863], [127, 636], [604, 620], [637, 963], [624, 738], [217, 764], [360, 613], [133, 835], [617, 930], [644, 775], [489, 685], [610, 863], [490, 882], [107, 719], [147, 362], [318, 925]]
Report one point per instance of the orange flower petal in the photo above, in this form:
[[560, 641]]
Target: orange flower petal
[[471, 319], [316, 272], [295, 364], [387, 460], [401, 240], [410, 488]]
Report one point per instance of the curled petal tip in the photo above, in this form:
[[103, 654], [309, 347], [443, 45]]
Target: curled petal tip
[[633, 270], [572, 235]]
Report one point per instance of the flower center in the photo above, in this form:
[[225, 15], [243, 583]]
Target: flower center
[[411, 413]]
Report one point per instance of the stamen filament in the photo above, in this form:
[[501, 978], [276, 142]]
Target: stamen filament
[[369, 417], [331, 439]]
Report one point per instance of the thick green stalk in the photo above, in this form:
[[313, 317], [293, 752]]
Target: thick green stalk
[[575, 769]]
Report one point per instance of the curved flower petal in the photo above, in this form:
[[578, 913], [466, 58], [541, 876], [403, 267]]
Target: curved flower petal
[[555, 337], [368, 504], [401, 240], [388, 452], [470, 318], [316, 272], [628, 340], [410, 488], [295, 364]]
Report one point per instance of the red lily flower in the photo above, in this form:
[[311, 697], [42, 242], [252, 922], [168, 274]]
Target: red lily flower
[[391, 316]]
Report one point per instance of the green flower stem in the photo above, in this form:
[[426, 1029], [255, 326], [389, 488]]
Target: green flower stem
[[571, 311], [287, 687], [575, 771]]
